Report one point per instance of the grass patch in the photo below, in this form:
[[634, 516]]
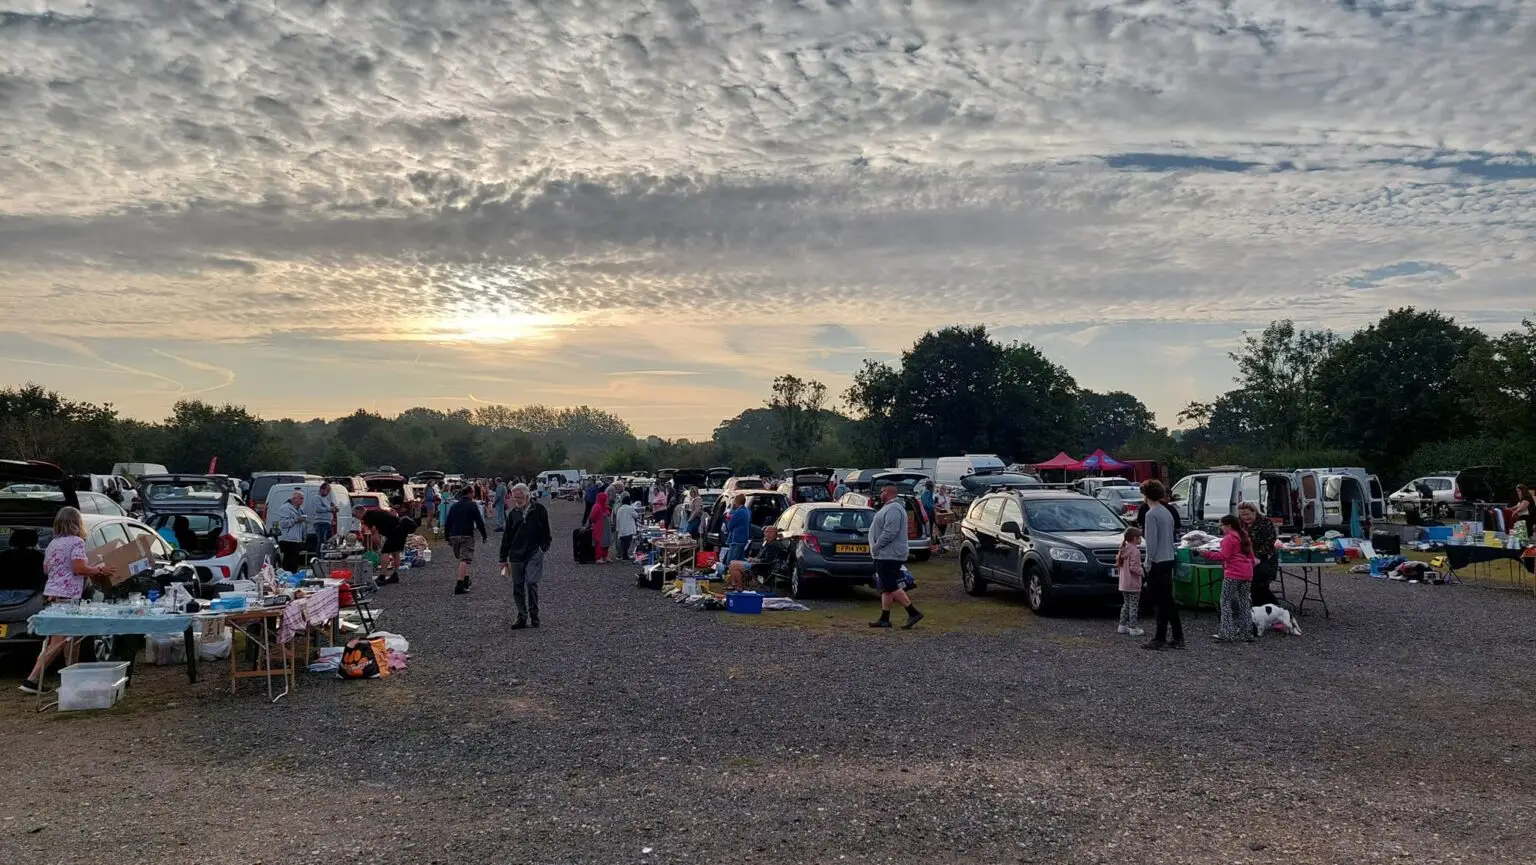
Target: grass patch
[[945, 605]]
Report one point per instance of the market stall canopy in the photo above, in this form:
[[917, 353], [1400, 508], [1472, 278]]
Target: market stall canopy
[[1096, 462], [1060, 461]]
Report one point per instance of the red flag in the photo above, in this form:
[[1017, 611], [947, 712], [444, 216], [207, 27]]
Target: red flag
[[213, 466]]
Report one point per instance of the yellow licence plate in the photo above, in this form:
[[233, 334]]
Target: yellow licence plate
[[3, 631], [851, 548]]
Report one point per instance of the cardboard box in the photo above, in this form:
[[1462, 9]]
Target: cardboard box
[[125, 558]]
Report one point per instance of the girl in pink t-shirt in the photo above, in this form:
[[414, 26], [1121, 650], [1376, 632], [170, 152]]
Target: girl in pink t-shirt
[[1236, 557], [65, 565], [1128, 567]]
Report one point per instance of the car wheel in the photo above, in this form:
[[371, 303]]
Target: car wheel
[[970, 575], [1037, 591], [798, 585]]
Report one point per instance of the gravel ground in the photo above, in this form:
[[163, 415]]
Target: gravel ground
[[628, 730]]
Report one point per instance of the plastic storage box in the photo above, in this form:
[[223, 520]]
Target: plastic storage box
[[747, 603], [97, 685]]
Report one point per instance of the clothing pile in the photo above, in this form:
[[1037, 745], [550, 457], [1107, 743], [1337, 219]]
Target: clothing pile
[[1400, 569]]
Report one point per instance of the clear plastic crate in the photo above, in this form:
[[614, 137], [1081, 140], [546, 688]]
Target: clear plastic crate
[[97, 685]]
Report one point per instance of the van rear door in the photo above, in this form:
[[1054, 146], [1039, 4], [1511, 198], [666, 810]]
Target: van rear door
[[1309, 489], [1378, 499]]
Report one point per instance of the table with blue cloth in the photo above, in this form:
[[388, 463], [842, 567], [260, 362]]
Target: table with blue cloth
[[55, 622]]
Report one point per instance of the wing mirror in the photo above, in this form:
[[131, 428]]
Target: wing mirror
[[1012, 528], [178, 556]]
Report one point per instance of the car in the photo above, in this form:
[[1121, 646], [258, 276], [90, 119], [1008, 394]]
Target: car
[[766, 508], [824, 543], [133, 470], [115, 487], [1052, 544], [222, 538], [716, 477], [1091, 486], [31, 494], [1440, 490], [350, 483], [744, 483], [949, 470], [96, 503], [371, 502], [808, 484], [1121, 499], [906, 481], [262, 483], [974, 485], [402, 496], [862, 480]]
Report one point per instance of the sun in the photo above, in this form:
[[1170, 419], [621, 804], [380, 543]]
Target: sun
[[493, 326]]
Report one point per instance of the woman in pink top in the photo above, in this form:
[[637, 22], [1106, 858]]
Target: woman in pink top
[[64, 563], [1236, 557], [1128, 566]]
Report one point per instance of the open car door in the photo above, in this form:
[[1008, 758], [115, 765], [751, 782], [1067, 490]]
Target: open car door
[[1378, 499], [1309, 491]]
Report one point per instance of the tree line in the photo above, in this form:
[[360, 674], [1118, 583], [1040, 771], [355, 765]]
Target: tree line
[[1411, 393]]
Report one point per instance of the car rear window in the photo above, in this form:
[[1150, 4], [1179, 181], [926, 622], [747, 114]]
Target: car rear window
[[842, 521], [183, 492]]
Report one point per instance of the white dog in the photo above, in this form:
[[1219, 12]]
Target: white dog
[[1272, 617]]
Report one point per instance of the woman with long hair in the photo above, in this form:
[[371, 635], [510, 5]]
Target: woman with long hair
[[65, 564], [1266, 561], [1236, 557], [1525, 509]]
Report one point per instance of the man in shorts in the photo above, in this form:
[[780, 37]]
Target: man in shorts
[[463, 521], [888, 547], [393, 531]]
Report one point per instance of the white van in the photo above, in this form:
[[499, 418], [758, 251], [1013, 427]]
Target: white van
[[131, 471], [948, 471], [280, 492], [1350, 490], [1293, 499], [561, 477]]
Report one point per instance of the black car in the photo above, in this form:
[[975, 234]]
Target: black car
[[1054, 545], [809, 484], [824, 542], [766, 508], [31, 495]]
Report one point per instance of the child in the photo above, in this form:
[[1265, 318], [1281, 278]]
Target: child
[[1236, 557], [1128, 566]]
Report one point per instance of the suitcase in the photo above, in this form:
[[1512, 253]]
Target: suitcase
[[1387, 543], [581, 545]]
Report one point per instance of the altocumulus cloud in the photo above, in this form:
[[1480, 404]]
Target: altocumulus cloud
[[851, 171]]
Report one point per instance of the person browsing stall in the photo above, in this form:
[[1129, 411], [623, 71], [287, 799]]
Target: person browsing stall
[[463, 521], [625, 525], [293, 528], [1266, 560], [1159, 525], [1236, 557], [888, 547], [391, 532], [322, 516], [738, 530], [64, 563], [524, 543], [660, 510]]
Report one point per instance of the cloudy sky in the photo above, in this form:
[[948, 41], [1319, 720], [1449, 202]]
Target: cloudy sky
[[656, 206]]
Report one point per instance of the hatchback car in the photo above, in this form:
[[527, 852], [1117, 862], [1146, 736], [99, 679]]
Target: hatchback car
[[766, 508], [31, 495], [96, 503], [223, 539], [1121, 499], [1052, 544], [824, 543], [917, 524]]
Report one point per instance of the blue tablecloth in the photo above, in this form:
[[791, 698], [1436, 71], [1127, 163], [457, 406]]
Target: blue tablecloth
[[47, 624]]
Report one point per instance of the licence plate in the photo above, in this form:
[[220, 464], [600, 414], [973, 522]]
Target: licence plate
[[4, 629], [851, 548]]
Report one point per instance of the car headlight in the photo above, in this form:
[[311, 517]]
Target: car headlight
[[1067, 554]]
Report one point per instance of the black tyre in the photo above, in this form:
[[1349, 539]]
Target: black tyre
[[799, 586], [1037, 589], [970, 575]]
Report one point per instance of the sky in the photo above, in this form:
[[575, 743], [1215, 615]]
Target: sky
[[657, 206]]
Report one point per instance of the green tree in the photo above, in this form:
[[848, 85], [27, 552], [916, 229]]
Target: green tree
[[1398, 388], [797, 404], [1277, 371], [1113, 420], [555, 455], [39, 424], [339, 460], [198, 432]]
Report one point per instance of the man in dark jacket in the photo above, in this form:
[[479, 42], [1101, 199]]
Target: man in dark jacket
[[590, 499], [464, 520], [523, 544]]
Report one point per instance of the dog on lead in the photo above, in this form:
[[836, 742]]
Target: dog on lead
[[1270, 617]]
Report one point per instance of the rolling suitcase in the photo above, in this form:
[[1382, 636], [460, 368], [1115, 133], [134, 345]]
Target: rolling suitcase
[[581, 545]]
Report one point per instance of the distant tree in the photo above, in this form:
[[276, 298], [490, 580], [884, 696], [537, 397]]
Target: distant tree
[[339, 460], [39, 424], [1277, 371], [797, 404], [1113, 420], [198, 432], [555, 455]]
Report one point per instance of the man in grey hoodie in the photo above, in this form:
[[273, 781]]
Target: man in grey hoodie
[[888, 547], [293, 528]]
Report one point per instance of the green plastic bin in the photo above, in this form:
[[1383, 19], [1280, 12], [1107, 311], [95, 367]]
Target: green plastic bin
[[1197, 585]]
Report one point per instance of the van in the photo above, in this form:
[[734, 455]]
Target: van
[[131, 471], [262, 483], [948, 471], [1350, 490], [561, 477], [1292, 499], [279, 493]]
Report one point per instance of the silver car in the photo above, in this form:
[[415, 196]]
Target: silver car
[[224, 540]]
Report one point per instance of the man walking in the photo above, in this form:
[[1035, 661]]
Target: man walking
[[888, 547], [1160, 532], [463, 521], [499, 503], [322, 517], [590, 497], [523, 546]]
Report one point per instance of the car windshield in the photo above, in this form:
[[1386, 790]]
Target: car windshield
[[1071, 515], [842, 522], [187, 491]]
